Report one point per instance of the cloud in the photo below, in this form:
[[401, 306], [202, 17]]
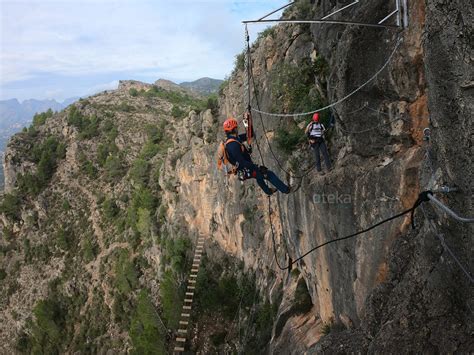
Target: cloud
[[182, 40]]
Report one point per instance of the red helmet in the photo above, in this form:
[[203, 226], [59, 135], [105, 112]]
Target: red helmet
[[316, 117], [230, 124]]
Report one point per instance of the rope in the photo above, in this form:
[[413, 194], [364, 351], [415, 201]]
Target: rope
[[422, 197], [399, 40]]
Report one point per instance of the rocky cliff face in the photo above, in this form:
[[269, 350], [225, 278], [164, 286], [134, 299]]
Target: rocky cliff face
[[391, 289]]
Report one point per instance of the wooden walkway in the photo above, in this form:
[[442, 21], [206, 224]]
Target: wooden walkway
[[184, 322]]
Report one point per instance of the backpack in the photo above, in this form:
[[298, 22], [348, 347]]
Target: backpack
[[223, 157]]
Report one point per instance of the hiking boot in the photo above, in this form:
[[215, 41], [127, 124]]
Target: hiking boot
[[272, 191]]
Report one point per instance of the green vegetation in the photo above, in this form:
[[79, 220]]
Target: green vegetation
[[269, 31], [177, 98], [239, 63], [223, 86], [171, 296], [46, 156], [146, 332], [140, 171], [219, 291], [176, 255], [11, 206], [88, 127], [110, 209], [89, 249], [114, 168], [133, 92], [126, 276], [302, 300], [288, 139], [40, 118], [292, 87]]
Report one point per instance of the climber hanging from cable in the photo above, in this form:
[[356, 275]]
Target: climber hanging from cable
[[315, 132], [233, 151]]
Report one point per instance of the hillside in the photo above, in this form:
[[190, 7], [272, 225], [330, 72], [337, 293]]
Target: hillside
[[204, 86], [106, 199]]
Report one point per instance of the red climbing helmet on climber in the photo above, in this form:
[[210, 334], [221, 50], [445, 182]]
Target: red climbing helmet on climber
[[316, 117], [230, 124]]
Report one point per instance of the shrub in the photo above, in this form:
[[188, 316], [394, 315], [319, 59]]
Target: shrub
[[110, 209], [133, 92], [126, 276], [40, 118], [144, 222], [48, 329], [240, 61], [63, 239], [177, 112], [146, 332], [89, 168], [302, 299], [89, 128], [269, 31], [89, 249], [114, 168], [11, 206], [139, 171], [171, 299], [287, 140]]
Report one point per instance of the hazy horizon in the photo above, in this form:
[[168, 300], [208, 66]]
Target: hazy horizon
[[62, 49]]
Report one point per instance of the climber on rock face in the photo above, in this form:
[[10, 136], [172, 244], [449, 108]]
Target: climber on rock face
[[238, 155], [315, 133]]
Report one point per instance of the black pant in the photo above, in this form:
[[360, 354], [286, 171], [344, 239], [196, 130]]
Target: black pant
[[321, 146]]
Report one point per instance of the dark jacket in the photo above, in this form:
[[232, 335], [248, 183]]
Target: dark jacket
[[237, 156]]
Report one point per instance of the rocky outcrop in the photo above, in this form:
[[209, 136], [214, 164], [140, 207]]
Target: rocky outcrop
[[366, 284]]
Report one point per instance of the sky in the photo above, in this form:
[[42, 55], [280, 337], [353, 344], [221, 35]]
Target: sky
[[70, 48]]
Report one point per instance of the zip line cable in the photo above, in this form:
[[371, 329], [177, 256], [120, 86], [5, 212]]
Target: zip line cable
[[399, 40], [422, 197]]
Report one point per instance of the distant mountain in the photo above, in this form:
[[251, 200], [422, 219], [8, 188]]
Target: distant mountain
[[204, 86], [15, 115]]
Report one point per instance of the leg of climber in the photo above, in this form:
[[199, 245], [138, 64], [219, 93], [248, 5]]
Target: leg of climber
[[275, 180], [261, 182], [315, 147], [324, 152]]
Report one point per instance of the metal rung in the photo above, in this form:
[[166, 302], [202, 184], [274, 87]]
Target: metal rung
[[188, 300], [192, 281], [191, 287], [182, 331], [193, 276], [186, 307], [182, 340], [183, 322], [189, 293], [178, 349], [195, 270], [186, 315]]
